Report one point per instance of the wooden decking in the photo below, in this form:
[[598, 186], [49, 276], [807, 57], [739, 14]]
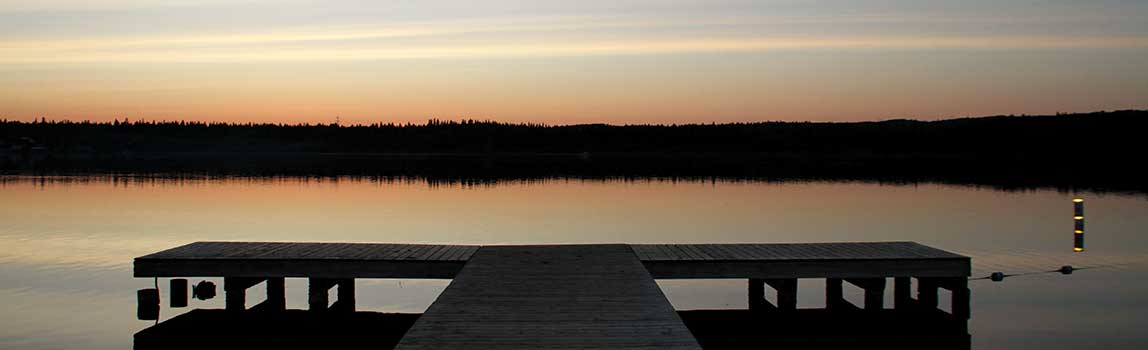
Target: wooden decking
[[316, 260], [370, 260], [789, 251], [800, 260], [551, 297], [664, 261]]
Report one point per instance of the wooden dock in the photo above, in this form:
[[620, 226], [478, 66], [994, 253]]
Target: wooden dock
[[569, 296], [551, 297]]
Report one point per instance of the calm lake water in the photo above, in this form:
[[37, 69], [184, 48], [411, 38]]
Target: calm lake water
[[67, 243]]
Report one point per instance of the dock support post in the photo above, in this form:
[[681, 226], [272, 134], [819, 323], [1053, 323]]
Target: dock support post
[[927, 293], [834, 296], [346, 294], [276, 294], [317, 289], [757, 295], [902, 293], [235, 291], [875, 295], [961, 298], [147, 304], [317, 293], [874, 291], [178, 292], [235, 299], [786, 292]]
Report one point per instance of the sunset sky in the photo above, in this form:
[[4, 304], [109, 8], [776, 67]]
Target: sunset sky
[[563, 62]]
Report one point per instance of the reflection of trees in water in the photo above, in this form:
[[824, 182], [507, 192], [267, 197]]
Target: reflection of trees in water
[[1011, 153], [489, 173]]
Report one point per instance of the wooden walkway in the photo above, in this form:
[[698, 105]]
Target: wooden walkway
[[316, 260], [800, 260], [551, 297]]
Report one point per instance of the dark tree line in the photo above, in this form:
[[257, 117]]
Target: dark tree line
[[1097, 151], [1102, 134]]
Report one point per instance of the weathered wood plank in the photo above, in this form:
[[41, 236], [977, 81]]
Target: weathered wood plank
[[282, 259], [285, 250], [792, 251], [813, 268], [551, 297], [361, 260]]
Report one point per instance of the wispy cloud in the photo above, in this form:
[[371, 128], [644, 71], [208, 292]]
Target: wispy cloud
[[536, 36], [19, 6], [342, 33], [221, 50]]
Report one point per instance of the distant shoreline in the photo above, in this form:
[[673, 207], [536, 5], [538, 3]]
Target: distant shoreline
[[1027, 135], [1099, 151], [999, 173]]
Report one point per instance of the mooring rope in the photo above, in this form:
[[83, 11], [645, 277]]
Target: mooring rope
[[1064, 270]]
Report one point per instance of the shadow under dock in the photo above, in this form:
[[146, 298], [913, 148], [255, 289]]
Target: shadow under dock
[[826, 329], [713, 329], [289, 329]]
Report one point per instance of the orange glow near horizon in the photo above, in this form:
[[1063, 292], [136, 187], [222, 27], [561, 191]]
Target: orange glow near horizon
[[577, 63]]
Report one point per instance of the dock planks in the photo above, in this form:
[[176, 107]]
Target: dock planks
[[318, 260], [800, 260], [664, 261], [551, 297], [789, 251]]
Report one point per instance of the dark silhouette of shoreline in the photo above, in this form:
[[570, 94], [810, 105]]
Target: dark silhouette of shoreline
[[990, 136], [1089, 151]]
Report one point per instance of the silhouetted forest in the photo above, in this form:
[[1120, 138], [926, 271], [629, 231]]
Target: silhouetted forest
[[994, 136], [1094, 150]]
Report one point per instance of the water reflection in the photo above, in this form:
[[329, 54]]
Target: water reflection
[[69, 242]]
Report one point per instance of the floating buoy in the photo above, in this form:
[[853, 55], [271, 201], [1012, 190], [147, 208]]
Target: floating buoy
[[178, 292], [1078, 224], [997, 276], [1066, 270], [147, 304], [203, 290]]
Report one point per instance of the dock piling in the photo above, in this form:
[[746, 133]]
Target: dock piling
[[317, 299], [147, 304], [346, 295], [874, 291], [235, 291], [902, 293], [927, 293], [317, 289], [178, 292], [960, 295], [962, 299], [786, 292], [276, 294], [757, 300], [834, 295]]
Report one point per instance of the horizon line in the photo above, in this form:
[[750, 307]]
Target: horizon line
[[433, 121]]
